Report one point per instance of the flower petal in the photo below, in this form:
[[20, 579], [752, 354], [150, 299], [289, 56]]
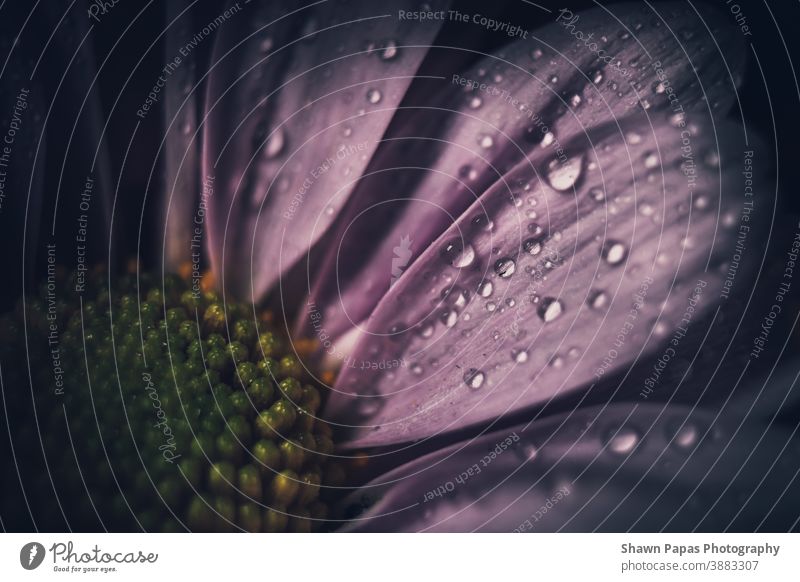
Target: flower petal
[[616, 468], [591, 263], [537, 93], [297, 103]]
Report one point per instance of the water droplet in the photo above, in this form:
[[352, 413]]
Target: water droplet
[[575, 100], [562, 175], [449, 317], [554, 79], [633, 138], [457, 254], [547, 139], [455, 296], [266, 45], [491, 306], [519, 356], [416, 369], [646, 209], [650, 160], [475, 102], [701, 202], [482, 222], [474, 378], [532, 246], [677, 119], [685, 437], [536, 54], [556, 362], [485, 289], [485, 141], [597, 300], [597, 77], [550, 309], [390, 51], [468, 172], [597, 194], [623, 441], [425, 331], [505, 267], [374, 96], [347, 131], [275, 144], [613, 252]]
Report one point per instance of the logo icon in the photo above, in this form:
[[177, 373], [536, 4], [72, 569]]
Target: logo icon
[[402, 256], [31, 555]]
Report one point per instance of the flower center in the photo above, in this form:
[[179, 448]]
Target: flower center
[[174, 410]]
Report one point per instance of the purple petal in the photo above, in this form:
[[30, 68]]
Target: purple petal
[[616, 468], [296, 106], [539, 93], [590, 263]]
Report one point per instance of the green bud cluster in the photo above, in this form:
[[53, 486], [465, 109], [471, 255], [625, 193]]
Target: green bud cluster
[[174, 410]]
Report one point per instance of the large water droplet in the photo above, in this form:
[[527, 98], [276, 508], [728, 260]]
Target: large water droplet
[[519, 356], [389, 51], [485, 289], [613, 252], [622, 441], [550, 309], [374, 96], [449, 317], [276, 143], [562, 175], [485, 141], [455, 296], [457, 254], [474, 378], [505, 267], [532, 246]]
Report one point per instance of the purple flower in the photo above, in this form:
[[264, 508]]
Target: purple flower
[[486, 244], [516, 245]]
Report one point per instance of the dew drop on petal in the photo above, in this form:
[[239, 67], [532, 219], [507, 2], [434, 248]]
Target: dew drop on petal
[[597, 300], [597, 194], [474, 378], [575, 101], [374, 96], [547, 139], [468, 172], [623, 441], [519, 356], [532, 246], [416, 369], [425, 331], [449, 317], [685, 437], [505, 267], [536, 54], [613, 252], [457, 254], [562, 175], [275, 144], [485, 141], [389, 51], [485, 289], [650, 160], [550, 309], [475, 102]]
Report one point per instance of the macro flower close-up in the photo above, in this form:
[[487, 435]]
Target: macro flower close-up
[[345, 266]]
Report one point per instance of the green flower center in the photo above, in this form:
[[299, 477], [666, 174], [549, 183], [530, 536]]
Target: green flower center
[[174, 410]]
